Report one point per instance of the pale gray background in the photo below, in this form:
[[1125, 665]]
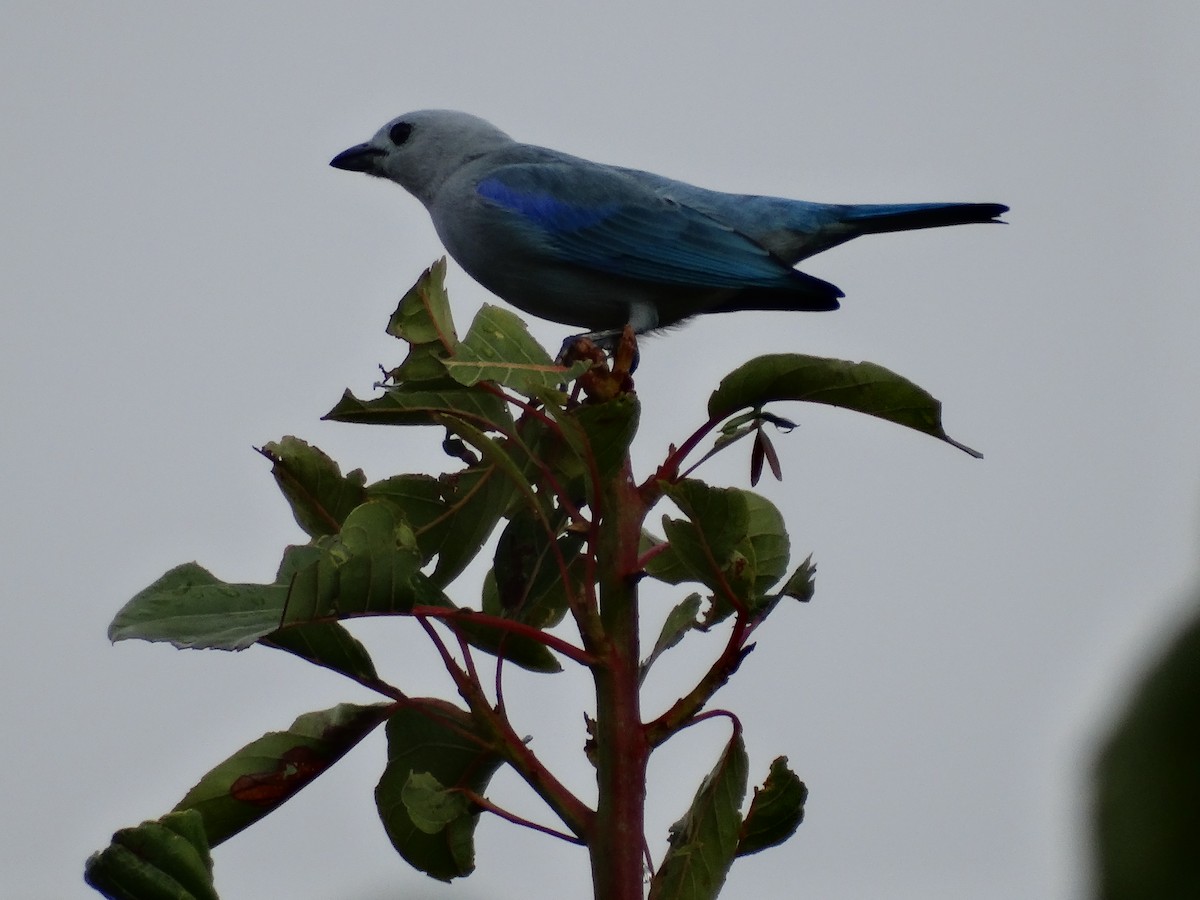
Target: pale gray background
[[183, 278]]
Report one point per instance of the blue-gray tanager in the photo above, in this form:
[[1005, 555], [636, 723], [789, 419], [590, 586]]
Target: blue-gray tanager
[[600, 246]]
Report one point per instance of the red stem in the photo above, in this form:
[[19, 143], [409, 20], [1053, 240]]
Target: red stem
[[622, 751], [453, 616], [491, 807]]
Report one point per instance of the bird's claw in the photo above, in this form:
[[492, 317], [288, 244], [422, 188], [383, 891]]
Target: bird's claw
[[619, 343], [603, 381]]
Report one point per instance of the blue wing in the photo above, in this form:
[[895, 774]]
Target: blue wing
[[602, 219], [797, 229]]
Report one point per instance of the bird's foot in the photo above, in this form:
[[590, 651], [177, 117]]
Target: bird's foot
[[602, 382], [614, 342]]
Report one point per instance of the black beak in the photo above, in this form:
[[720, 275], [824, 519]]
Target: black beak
[[361, 158]]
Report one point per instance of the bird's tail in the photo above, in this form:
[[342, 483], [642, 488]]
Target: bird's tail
[[883, 217]]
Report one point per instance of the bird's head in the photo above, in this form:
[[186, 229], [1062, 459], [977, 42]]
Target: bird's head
[[420, 150]]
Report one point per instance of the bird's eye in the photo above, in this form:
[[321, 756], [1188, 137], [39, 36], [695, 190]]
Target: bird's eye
[[399, 133]]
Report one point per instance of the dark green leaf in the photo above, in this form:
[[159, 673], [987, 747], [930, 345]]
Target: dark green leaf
[[542, 448], [602, 431], [710, 546], [372, 567], [424, 406], [518, 649], [768, 539], [451, 517], [166, 859], [320, 496], [420, 499], [801, 585], [327, 644], [717, 521], [680, 621], [498, 453], [499, 348], [775, 812], [475, 499], [703, 843], [531, 587], [732, 539], [269, 771], [666, 565], [863, 387], [432, 737], [1147, 795]]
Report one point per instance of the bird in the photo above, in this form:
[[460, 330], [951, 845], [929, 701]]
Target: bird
[[600, 247]]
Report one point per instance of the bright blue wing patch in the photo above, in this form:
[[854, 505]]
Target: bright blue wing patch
[[542, 209], [613, 224]]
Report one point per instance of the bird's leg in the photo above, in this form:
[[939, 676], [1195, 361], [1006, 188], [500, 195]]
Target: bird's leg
[[609, 341], [605, 340]]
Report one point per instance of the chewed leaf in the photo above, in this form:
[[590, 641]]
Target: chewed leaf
[[776, 811], [499, 348], [320, 495], [434, 748], [704, 842], [423, 316], [268, 771]]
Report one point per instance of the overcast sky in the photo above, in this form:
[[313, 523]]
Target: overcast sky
[[184, 278]]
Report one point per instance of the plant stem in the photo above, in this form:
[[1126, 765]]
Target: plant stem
[[617, 836]]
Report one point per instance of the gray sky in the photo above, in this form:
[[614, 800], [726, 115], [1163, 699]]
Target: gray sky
[[185, 278]]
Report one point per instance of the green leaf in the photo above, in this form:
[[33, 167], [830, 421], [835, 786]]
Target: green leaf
[[679, 622], [607, 430], [452, 516], [775, 812], [731, 539], [167, 859], [518, 649], [862, 387], [313, 484], [432, 737], [497, 453], [191, 608], [802, 585], [542, 449], [499, 348], [767, 537], [424, 405], [666, 565], [423, 316], [1147, 791], [718, 520], [419, 497], [476, 499], [272, 769], [423, 320], [589, 435], [429, 804], [703, 843], [529, 584], [372, 567], [326, 644], [711, 546]]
